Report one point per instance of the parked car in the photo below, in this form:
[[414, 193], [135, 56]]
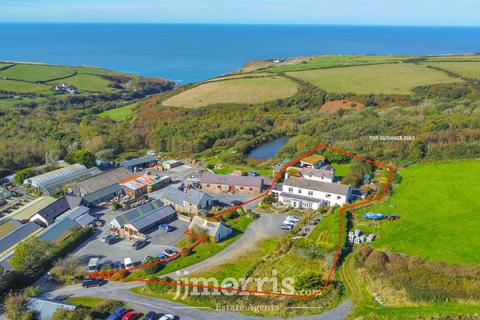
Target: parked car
[[165, 228], [117, 314], [150, 315], [112, 239], [289, 222], [161, 255], [167, 317], [170, 252], [131, 315], [93, 282], [253, 174], [104, 239], [139, 244], [293, 218], [128, 263], [286, 227], [236, 202], [118, 265]]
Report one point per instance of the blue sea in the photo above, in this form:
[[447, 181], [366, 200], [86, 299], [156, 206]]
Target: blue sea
[[189, 52]]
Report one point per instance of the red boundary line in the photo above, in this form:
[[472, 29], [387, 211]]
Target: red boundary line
[[110, 274]]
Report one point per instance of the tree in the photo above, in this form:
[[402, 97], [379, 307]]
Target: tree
[[23, 174], [31, 255], [85, 157], [334, 156], [15, 304]]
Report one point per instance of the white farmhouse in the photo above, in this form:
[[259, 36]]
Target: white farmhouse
[[311, 194], [325, 175]]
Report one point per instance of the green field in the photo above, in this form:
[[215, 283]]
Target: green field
[[87, 82], [464, 69], [21, 86], [439, 213], [97, 71], [322, 62], [253, 90], [85, 301], [36, 72], [398, 78], [119, 114]]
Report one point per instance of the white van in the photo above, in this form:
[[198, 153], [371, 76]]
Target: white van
[[128, 263], [93, 265]]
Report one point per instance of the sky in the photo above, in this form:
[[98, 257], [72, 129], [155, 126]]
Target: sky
[[351, 12]]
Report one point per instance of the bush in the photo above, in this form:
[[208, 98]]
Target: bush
[[85, 157], [23, 174]]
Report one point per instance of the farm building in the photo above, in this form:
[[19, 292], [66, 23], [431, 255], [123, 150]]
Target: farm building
[[314, 161], [100, 181], [134, 223], [170, 164], [215, 230], [52, 182], [311, 194], [232, 184], [188, 201], [47, 215], [102, 195], [80, 215], [21, 232], [137, 185], [25, 212], [46, 308], [139, 164], [59, 231]]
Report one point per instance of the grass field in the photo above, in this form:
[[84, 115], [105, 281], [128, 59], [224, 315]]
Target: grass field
[[322, 62], [464, 69], [398, 78], [119, 114], [325, 233], [84, 301], [98, 71], [341, 169], [22, 87], [88, 82], [439, 213], [254, 90], [240, 76], [36, 72]]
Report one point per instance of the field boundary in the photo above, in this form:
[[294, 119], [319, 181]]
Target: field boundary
[[200, 239]]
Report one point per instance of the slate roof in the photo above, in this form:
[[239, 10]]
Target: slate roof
[[231, 180], [327, 187], [17, 235], [296, 196], [192, 196], [101, 181], [46, 307], [329, 174], [138, 161]]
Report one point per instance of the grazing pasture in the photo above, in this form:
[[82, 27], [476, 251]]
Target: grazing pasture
[[397, 78], [119, 114], [243, 91], [464, 69], [36, 72], [21, 86], [439, 213], [87, 82]]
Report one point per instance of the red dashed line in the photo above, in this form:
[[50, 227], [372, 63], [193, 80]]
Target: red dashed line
[[111, 274]]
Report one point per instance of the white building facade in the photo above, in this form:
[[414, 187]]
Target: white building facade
[[311, 194]]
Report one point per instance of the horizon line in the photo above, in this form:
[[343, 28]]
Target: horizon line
[[244, 24]]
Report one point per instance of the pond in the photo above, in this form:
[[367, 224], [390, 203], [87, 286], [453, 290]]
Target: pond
[[268, 149]]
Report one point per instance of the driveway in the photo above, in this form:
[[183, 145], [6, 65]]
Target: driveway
[[119, 290], [266, 226]]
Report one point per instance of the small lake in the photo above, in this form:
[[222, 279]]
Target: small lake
[[268, 149]]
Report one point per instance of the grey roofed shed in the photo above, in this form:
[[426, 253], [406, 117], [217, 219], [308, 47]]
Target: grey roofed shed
[[52, 211], [94, 197], [58, 230], [17, 235], [138, 161], [45, 308], [334, 188], [101, 181], [159, 215], [222, 179]]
